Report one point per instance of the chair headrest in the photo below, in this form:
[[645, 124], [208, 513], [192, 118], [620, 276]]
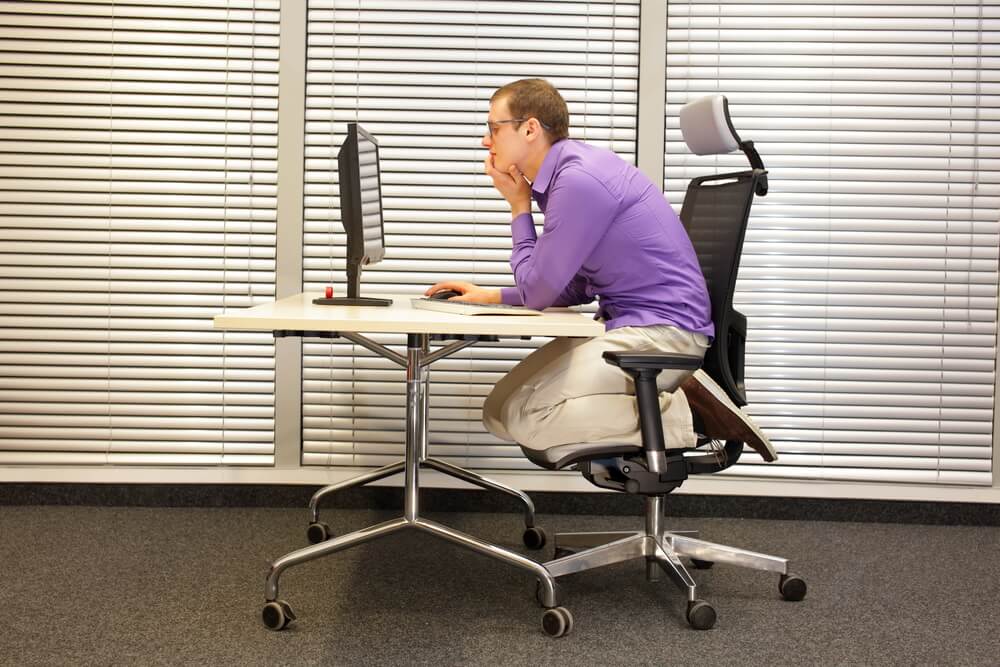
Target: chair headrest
[[706, 126]]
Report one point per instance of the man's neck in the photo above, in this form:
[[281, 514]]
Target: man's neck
[[534, 162]]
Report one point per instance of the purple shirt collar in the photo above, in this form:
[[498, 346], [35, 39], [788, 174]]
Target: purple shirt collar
[[544, 175]]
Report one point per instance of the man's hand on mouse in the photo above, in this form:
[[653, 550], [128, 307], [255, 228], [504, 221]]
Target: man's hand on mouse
[[468, 292]]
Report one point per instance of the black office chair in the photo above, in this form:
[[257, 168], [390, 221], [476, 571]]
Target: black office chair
[[715, 213]]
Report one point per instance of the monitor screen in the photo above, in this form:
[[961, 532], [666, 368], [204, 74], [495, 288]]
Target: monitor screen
[[361, 196], [360, 212], [373, 247]]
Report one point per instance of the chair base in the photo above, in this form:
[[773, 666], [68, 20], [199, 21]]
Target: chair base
[[662, 551], [600, 549]]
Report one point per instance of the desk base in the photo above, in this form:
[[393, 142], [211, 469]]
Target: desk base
[[534, 537], [556, 620]]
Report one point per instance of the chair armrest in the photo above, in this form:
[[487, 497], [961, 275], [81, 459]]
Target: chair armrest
[[652, 360]]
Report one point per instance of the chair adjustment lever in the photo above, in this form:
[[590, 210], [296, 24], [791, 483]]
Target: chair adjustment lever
[[632, 476]]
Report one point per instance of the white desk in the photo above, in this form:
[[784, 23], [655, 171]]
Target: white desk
[[299, 313], [298, 316]]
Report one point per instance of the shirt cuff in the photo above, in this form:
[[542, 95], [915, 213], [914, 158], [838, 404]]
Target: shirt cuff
[[510, 296]]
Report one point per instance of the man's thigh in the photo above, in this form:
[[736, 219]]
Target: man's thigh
[[582, 371], [535, 365]]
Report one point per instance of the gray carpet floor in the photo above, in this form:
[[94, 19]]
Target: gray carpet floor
[[184, 586]]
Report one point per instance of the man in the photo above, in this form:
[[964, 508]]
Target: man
[[608, 233]]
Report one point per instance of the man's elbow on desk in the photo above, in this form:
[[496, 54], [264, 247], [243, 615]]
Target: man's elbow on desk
[[536, 299]]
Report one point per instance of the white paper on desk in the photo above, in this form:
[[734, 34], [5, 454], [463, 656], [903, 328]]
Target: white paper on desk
[[463, 308]]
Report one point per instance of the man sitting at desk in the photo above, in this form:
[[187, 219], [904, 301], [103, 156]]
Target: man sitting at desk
[[608, 233]]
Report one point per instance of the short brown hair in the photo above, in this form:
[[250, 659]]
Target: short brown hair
[[539, 99]]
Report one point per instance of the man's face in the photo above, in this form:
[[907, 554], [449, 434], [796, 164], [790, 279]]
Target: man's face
[[506, 144]]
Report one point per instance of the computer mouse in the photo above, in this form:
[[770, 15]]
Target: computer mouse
[[445, 294]]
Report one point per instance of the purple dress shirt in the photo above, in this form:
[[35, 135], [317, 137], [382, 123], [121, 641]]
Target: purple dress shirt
[[609, 233]]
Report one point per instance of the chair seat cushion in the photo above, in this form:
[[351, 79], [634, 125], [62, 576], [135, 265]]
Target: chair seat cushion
[[561, 456]]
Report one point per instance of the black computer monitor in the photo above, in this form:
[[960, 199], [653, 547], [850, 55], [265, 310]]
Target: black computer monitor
[[360, 212]]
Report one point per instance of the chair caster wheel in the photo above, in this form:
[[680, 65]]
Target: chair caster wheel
[[277, 614], [701, 615], [318, 532], [534, 537], [699, 564], [792, 587], [557, 622]]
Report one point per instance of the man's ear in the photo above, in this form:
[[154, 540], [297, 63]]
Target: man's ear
[[534, 128]]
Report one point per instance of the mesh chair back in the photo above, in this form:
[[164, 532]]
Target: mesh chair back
[[715, 214]]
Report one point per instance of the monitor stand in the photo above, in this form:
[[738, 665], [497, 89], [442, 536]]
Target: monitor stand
[[352, 298], [348, 301]]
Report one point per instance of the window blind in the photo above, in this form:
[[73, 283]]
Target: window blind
[[869, 274], [137, 180], [419, 76]]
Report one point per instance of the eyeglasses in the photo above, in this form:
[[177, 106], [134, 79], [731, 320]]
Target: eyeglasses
[[493, 126]]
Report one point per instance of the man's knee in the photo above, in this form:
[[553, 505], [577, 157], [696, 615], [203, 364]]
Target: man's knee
[[506, 427], [520, 432], [523, 418]]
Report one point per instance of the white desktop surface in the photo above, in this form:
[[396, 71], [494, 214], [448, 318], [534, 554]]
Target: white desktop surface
[[298, 312]]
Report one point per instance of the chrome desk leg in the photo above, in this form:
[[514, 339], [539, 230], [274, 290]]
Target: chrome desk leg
[[485, 483], [426, 403], [416, 449], [547, 594], [721, 553], [328, 547], [360, 480], [416, 426]]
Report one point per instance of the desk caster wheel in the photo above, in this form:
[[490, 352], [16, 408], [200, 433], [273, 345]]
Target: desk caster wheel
[[557, 622], [318, 532], [699, 564], [534, 538], [277, 615], [792, 587], [701, 615]]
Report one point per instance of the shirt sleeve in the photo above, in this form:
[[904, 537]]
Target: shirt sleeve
[[578, 214], [575, 293]]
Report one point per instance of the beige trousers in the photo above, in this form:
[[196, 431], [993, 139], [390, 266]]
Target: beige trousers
[[565, 392]]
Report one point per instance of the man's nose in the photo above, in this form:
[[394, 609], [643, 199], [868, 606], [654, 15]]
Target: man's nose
[[487, 141]]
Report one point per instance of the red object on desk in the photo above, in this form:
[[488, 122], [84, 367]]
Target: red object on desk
[[329, 292]]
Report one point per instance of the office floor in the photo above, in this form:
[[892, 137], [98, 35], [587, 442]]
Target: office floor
[[135, 586]]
